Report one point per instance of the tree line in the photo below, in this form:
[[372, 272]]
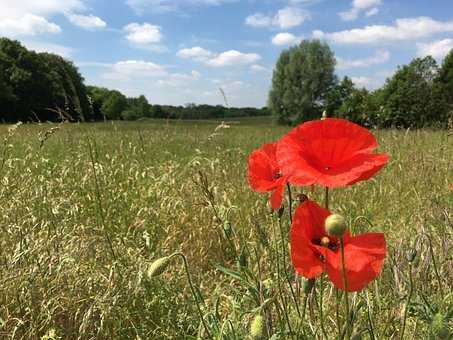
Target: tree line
[[304, 85], [44, 87]]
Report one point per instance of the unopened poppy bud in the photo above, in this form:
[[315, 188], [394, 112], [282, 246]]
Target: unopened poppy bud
[[308, 285], [411, 254], [267, 283], [158, 267], [439, 327], [257, 327], [335, 225], [357, 336]]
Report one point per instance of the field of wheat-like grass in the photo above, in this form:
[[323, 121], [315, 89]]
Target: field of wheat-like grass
[[85, 209]]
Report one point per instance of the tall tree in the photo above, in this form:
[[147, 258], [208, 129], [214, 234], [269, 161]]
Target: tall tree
[[411, 98], [302, 78], [445, 78], [114, 105]]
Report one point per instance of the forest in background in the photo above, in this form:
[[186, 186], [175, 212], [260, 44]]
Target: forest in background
[[41, 87]]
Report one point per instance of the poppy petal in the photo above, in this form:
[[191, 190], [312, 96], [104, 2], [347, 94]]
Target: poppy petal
[[260, 171], [306, 262], [277, 196], [332, 153], [364, 258], [308, 223], [308, 220]]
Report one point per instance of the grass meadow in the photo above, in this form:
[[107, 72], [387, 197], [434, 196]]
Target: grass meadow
[[85, 209]]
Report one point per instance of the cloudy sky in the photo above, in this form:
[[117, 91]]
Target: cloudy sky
[[181, 51]]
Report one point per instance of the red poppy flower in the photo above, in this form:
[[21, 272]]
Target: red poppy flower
[[330, 152], [264, 173], [314, 252]]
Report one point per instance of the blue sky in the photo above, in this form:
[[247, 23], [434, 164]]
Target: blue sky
[[183, 51]]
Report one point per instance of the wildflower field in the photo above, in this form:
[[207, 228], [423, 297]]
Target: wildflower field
[[87, 209]]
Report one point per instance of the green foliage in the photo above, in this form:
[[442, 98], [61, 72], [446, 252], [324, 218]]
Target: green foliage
[[114, 105], [412, 97], [39, 86], [338, 95], [302, 79]]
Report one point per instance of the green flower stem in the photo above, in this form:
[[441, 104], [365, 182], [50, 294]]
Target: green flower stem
[[194, 293], [290, 202], [406, 306], [345, 286]]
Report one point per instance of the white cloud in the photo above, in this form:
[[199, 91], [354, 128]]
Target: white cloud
[[197, 53], [29, 24], [372, 12], [32, 17], [285, 18], [233, 57], [61, 50], [285, 39], [141, 6], [19, 8], [365, 82], [259, 20], [142, 33], [88, 22], [380, 57], [255, 68], [209, 58], [404, 29], [437, 49], [130, 69], [179, 79], [370, 7]]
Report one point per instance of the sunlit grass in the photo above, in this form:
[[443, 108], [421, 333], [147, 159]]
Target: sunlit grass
[[85, 209]]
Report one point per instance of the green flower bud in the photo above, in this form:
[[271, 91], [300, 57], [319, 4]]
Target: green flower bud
[[439, 327], [158, 267], [357, 336], [257, 327], [335, 225], [411, 254]]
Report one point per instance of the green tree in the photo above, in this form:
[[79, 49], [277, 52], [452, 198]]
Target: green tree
[[412, 98], [445, 83], [302, 79], [338, 95], [114, 105], [356, 107]]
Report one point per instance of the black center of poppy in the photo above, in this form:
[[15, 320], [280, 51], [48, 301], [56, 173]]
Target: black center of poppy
[[277, 175], [327, 242]]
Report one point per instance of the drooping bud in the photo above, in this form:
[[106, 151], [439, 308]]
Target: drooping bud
[[257, 327], [439, 327], [158, 267], [357, 336], [335, 225], [411, 254]]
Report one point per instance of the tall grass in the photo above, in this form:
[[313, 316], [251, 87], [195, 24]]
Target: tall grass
[[85, 209]]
